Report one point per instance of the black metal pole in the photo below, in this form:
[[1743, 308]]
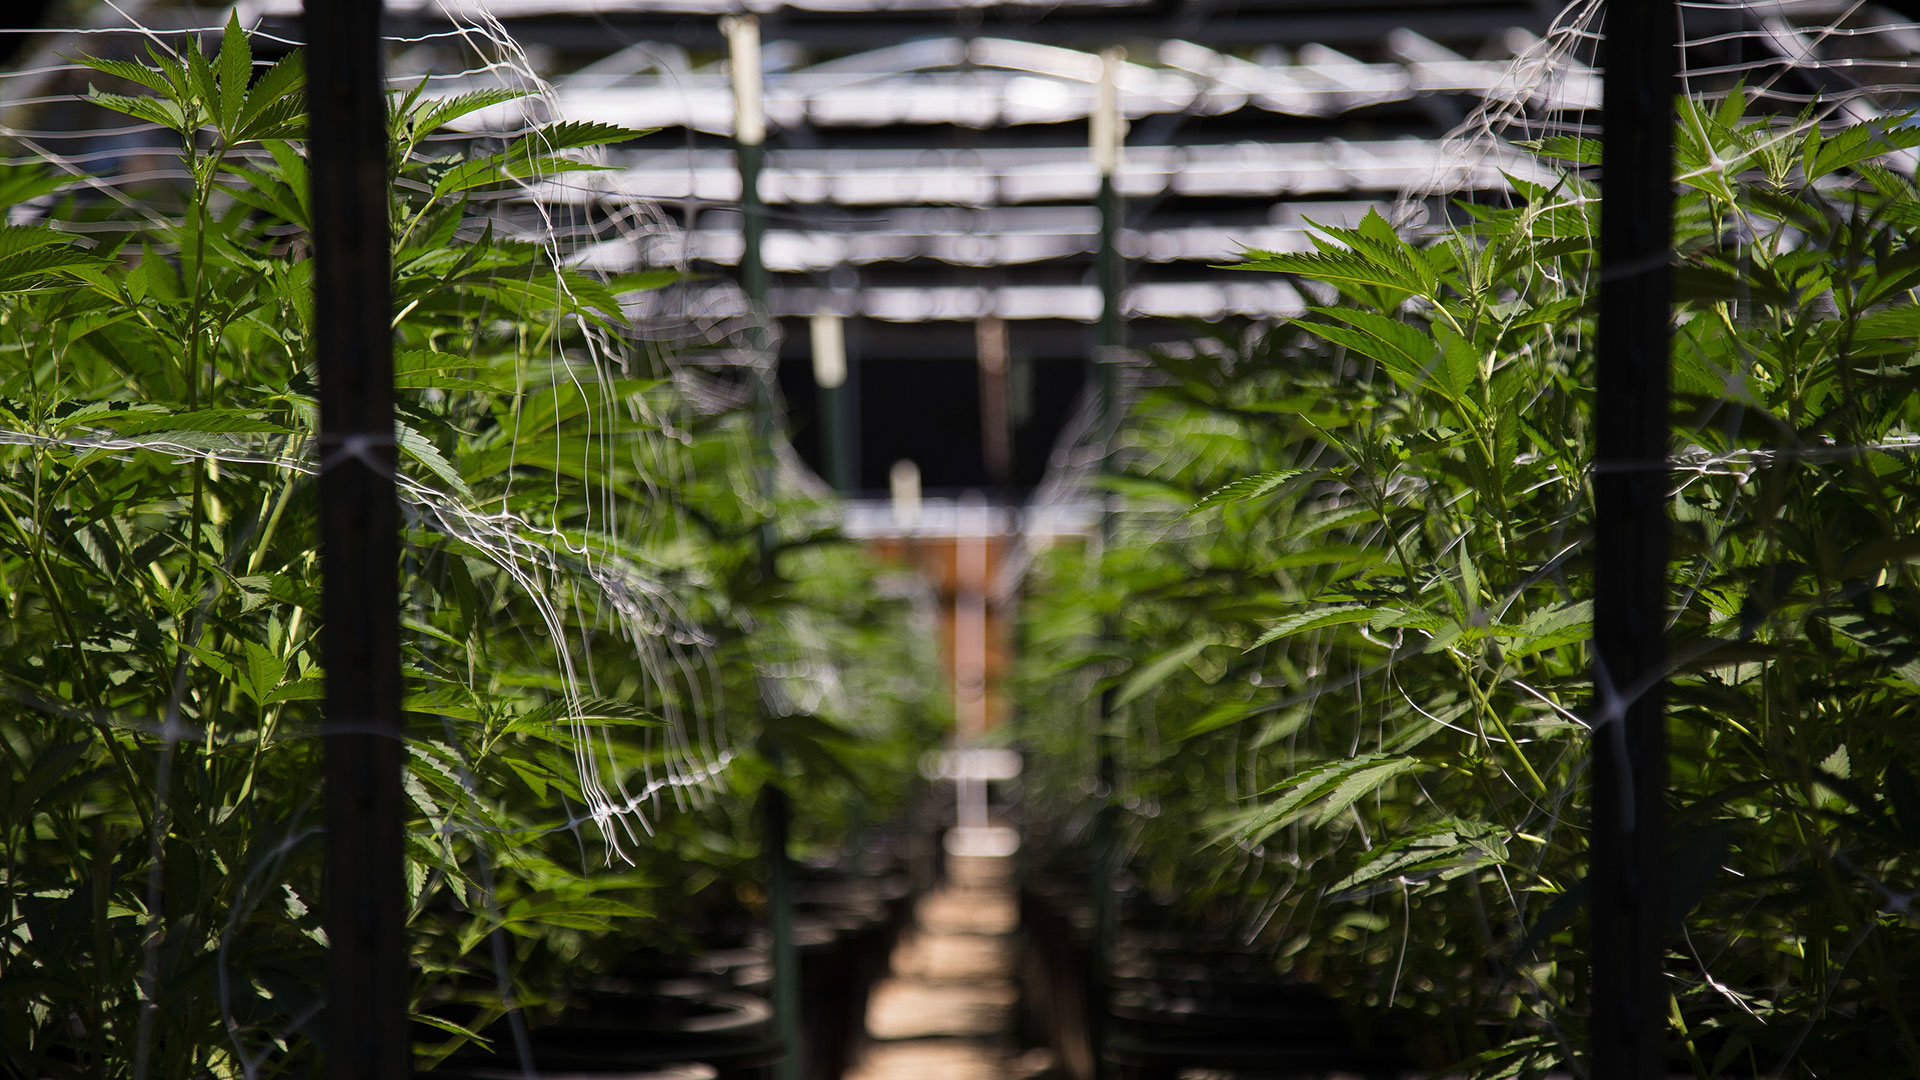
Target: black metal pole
[[836, 439], [832, 364], [1112, 274], [749, 134], [366, 1005], [753, 221], [1108, 127], [1627, 874], [776, 820], [993, 359]]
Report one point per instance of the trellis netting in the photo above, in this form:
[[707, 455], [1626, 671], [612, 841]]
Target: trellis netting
[[595, 637], [1341, 620]]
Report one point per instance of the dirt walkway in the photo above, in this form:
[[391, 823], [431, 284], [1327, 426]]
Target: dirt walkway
[[946, 1009]]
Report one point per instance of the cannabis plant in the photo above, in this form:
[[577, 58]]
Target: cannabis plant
[[568, 611], [1359, 667]]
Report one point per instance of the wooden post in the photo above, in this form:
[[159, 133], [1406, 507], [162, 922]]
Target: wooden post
[[367, 979], [1627, 875]]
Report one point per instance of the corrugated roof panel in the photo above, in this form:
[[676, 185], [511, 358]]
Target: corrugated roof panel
[[1019, 83], [1014, 176]]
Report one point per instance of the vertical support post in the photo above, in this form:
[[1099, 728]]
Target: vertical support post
[[749, 137], [828, 332], [776, 818], [903, 489], [1104, 857], [1627, 874], [1107, 131], [973, 528], [366, 1004], [991, 354]]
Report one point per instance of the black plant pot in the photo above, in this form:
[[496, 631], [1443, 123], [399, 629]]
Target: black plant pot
[[638, 1029]]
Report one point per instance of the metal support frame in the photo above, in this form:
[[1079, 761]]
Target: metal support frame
[[749, 131], [776, 820], [1626, 882], [590, 27], [831, 371], [753, 222], [367, 982], [1107, 136], [836, 440], [993, 362]]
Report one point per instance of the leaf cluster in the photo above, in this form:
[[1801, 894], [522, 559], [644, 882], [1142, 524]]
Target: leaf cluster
[[589, 622], [1342, 622]]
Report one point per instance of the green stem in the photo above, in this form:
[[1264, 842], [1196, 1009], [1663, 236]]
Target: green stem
[[43, 572], [102, 868], [1486, 706]]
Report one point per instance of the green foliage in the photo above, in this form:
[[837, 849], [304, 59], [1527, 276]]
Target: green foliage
[[589, 623], [1387, 754]]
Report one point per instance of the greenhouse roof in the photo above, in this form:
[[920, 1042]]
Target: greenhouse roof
[[1005, 83]]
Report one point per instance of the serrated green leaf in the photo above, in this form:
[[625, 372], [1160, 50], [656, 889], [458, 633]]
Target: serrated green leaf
[[1345, 780], [1313, 620], [592, 711], [1247, 487], [266, 670], [1362, 782], [1550, 628], [435, 114], [275, 108], [22, 183], [417, 369], [225, 421], [1857, 143], [150, 78], [235, 71], [1336, 268], [421, 449], [1225, 714], [15, 239], [576, 134], [1404, 351], [1158, 670], [166, 114]]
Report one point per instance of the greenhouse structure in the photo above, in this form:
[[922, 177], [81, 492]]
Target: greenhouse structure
[[959, 539]]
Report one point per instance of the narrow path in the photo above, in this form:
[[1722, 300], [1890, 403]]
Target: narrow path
[[945, 1011]]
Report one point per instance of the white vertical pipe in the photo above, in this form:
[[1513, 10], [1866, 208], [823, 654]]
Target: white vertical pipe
[[743, 54], [903, 485], [1108, 124], [829, 336], [973, 530]]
